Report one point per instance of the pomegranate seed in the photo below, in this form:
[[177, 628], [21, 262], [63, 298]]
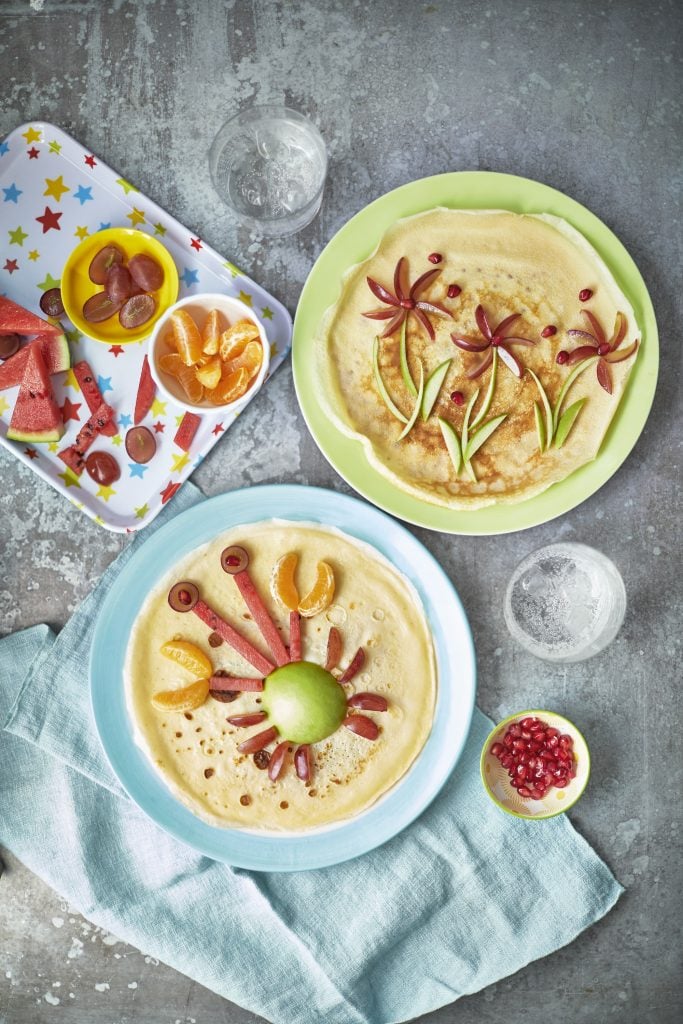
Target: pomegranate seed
[[506, 760], [524, 724], [523, 791], [538, 737], [518, 745], [537, 794], [183, 596], [436, 257], [520, 770], [552, 732], [533, 747], [232, 560], [603, 349], [561, 782], [532, 762], [585, 294], [548, 331], [553, 742], [515, 730], [497, 749], [525, 734], [457, 397], [453, 291], [566, 741], [561, 357], [507, 740]]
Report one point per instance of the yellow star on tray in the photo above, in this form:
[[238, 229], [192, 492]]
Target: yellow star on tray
[[136, 217], [54, 446], [49, 282], [267, 313], [69, 478], [17, 236], [70, 381], [141, 512], [235, 271], [159, 229], [245, 297], [126, 186], [4, 405], [55, 147], [31, 136], [81, 233], [56, 187], [179, 420], [273, 350], [105, 492], [117, 440], [179, 462], [158, 408], [34, 255]]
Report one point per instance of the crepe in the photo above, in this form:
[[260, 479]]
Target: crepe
[[373, 606], [535, 265]]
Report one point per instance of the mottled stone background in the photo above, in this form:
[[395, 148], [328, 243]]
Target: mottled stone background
[[581, 94]]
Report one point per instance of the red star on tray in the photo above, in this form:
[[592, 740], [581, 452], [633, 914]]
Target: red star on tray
[[91, 161], [31, 452], [116, 350], [50, 219], [33, 153], [196, 243], [168, 492], [70, 410], [217, 429], [159, 427], [10, 266]]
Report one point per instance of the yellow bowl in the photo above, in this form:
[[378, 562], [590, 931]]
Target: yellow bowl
[[77, 287]]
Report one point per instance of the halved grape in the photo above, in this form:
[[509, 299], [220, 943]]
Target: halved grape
[[140, 444], [146, 272], [102, 468], [51, 302], [9, 344], [137, 311], [103, 260], [119, 284], [99, 307]]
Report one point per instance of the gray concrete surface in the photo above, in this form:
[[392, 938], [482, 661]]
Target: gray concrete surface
[[582, 95]]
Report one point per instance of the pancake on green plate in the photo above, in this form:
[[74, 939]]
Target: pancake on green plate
[[478, 356]]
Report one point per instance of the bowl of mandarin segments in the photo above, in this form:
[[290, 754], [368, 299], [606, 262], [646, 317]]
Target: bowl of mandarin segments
[[535, 764], [117, 283], [209, 352]]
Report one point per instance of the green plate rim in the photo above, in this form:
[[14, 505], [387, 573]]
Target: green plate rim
[[358, 238]]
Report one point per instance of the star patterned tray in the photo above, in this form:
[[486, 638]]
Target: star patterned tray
[[53, 193]]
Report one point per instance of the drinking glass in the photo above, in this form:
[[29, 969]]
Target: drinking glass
[[565, 602], [268, 165]]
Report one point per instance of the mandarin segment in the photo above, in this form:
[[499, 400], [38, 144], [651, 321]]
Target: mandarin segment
[[251, 359], [209, 375], [211, 332], [234, 340], [186, 336], [282, 585], [320, 596], [232, 386], [186, 699], [188, 656]]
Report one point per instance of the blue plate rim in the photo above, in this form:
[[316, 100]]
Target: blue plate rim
[[453, 643]]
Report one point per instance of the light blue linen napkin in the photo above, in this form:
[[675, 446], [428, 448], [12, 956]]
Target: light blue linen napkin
[[456, 902]]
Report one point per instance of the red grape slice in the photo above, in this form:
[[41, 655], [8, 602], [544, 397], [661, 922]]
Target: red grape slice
[[102, 468], [368, 702], [259, 741], [119, 284], [277, 761], [355, 666], [140, 444], [9, 344], [183, 596], [302, 762], [137, 311], [362, 726], [51, 302], [99, 307], [334, 649], [146, 272], [243, 721], [102, 261]]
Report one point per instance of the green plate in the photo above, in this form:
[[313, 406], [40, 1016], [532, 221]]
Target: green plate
[[357, 240]]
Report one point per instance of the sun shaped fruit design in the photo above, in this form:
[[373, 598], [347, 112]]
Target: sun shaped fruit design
[[301, 702]]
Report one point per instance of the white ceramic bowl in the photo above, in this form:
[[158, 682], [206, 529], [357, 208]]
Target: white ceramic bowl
[[198, 306]]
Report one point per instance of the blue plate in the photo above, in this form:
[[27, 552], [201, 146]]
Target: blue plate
[[455, 662]]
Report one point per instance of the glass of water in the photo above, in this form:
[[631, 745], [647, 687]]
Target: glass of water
[[268, 164], [565, 602]]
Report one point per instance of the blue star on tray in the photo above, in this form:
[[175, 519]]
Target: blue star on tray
[[4, 148], [83, 193], [137, 470], [103, 226], [12, 193], [104, 384], [124, 420], [190, 276]]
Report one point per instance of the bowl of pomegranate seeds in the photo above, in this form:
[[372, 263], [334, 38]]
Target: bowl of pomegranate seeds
[[535, 764]]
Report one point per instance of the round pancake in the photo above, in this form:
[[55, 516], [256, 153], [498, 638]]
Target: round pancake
[[374, 606]]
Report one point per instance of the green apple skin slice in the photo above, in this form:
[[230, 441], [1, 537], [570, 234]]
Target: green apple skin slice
[[568, 383], [540, 427], [567, 421], [433, 386], [465, 436], [489, 394], [482, 435], [403, 356], [416, 408], [549, 422], [381, 386], [450, 436]]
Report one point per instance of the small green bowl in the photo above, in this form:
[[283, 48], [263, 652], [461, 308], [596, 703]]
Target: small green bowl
[[497, 781]]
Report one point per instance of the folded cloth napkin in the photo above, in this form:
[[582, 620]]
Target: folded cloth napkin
[[462, 898]]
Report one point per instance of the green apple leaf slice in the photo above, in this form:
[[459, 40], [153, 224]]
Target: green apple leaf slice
[[403, 356], [482, 435], [465, 435], [549, 423], [567, 421], [486, 405], [433, 386], [540, 427], [416, 409], [578, 369], [381, 386], [450, 436]]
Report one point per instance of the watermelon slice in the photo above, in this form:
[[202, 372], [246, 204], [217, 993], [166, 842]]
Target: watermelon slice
[[186, 431], [14, 318], [92, 393], [147, 389], [36, 416], [54, 349], [74, 455]]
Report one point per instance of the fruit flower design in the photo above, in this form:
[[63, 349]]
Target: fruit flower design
[[496, 341], [301, 703], [598, 345], [405, 301]]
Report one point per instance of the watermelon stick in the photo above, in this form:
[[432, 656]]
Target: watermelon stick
[[253, 601], [74, 455], [241, 684], [232, 637], [294, 636], [186, 431], [147, 389], [91, 393]]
